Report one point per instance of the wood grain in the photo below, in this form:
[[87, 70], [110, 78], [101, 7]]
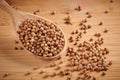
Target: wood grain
[[17, 62]]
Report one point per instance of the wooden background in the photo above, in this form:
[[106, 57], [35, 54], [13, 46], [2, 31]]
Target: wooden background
[[18, 62]]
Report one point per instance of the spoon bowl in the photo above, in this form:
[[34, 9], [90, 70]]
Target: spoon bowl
[[19, 17]]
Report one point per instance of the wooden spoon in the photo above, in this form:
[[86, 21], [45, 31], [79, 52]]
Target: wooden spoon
[[19, 17]]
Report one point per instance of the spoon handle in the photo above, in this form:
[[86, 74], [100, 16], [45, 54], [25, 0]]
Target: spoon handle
[[14, 13], [5, 6]]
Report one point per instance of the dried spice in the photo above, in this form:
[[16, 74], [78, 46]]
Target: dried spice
[[103, 74], [41, 38], [16, 42], [106, 12], [78, 8], [16, 48], [68, 20], [5, 75], [52, 13], [100, 24], [105, 31], [35, 12], [27, 74]]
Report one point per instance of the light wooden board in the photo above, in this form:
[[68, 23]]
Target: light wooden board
[[17, 62]]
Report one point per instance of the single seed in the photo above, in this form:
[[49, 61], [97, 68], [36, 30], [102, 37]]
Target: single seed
[[88, 26], [36, 67], [103, 74], [68, 20], [67, 12], [91, 39], [53, 74], [41, 72], [27, 74], [45, 76], [35, 12], [16, 42], [89, 16], [16, 48], [84, 31], [106, 12], [105, 31], [111, 1], [93, 78], [87, 13], [33, 78], [21, 48], [5, 75], [100, 23], [68, 78], [53, 13], [110, 63], [57, 68]]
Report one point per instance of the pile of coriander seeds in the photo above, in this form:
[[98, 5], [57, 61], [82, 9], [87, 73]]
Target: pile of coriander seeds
[[41, 38]]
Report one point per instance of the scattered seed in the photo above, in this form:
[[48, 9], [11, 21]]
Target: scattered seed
[[81, 23], [16, 42], [21, 48], [33, 78], [94, 78], [111, 1], [84, 20], [106, 12], [60, 62], [16, 48], [68, 20], [41, 72], [91, 39], [53, 74], [35, 12], [68, 78], [70, 39], [45, 76], [97, 34], [53, 13], [105, 31], [84, 31], [78, 8], [67, 12], [89, 16], [100, 23], [110, 63], [103, 74], [27, 74], [57, 68], [36, 67], [59, 57], [87, 13], [6, 75]]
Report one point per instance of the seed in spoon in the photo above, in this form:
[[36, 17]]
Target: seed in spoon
[[41, 38]]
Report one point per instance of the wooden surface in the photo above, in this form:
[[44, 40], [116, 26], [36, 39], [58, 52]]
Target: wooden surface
[[18, 62]]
